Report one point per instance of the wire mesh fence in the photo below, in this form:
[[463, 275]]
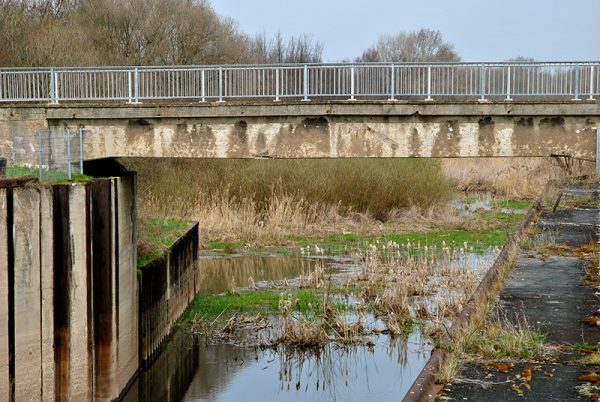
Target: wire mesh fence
[[52, 154]]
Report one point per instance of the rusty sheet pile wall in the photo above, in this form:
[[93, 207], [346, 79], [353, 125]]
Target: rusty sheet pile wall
[[167, 286], [68, 290]]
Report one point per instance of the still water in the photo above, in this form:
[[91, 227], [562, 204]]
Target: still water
[[191, 369]]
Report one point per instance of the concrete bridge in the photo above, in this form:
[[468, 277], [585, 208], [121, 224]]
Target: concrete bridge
[[308, 111], [332, 129]]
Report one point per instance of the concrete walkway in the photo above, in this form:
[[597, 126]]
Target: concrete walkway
[[550, 293]]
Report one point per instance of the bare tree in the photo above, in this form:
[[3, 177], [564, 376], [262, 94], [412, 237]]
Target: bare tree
[[422, 45], [297, 49]]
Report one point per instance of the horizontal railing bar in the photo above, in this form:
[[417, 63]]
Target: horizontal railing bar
[[311, 80]]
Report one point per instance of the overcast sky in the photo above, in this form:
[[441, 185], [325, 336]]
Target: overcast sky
[[481, 30]]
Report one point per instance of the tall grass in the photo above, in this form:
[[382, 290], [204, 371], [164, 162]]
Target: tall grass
[[249, 199], [257, 200], [522, 178], [374, 186]]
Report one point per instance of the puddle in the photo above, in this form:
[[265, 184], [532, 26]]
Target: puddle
[[189, 370], [469, 208], [266, 271]]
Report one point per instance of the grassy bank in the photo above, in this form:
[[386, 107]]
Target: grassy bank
[[245, 204]]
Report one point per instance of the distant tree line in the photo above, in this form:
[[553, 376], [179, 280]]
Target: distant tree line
[[135, 32], [166, 32]]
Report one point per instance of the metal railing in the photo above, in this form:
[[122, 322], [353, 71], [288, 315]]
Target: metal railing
[[575, 80]]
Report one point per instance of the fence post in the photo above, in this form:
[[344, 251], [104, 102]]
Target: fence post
[[305, 83], [53, 87], [221, 84], [508, 83], [80, 150], [136, 85], [592, 82], [392, 82], [429, 83], [577, 82], [276, 85], [351, 83], [202, 86], [40, 153], [482, 82], [129, 87], [68, 134]]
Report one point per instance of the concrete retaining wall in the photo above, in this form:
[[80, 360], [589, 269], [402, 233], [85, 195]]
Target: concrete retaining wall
[[67, 304], [167, 286]]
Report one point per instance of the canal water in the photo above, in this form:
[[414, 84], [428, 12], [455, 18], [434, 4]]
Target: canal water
[[193, 369]]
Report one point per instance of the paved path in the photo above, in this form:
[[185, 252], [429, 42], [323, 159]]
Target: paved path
[[549, 291]]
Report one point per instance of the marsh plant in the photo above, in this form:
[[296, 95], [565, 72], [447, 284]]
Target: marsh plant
[[406, 283]]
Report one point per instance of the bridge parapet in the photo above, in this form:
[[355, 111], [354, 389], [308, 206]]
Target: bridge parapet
[[535, 80]]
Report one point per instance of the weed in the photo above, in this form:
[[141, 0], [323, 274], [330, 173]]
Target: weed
[[155, 235]]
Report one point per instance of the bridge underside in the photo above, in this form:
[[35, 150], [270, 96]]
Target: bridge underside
[[316, 130]]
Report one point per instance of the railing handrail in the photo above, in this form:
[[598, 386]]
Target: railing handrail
[[304, 80], [329, 64]]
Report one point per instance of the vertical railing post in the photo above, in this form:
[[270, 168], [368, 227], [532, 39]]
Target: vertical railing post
[[136, 85], [482, 81], [352, 83], [202, 86], [577, 88], [68, 135], [53, 87], [508, 83], [80, 150], [276, 85], [305, 83], [129, 86], [40, 154], [428, 83], [221, 84], [592, 82], [393, 82]]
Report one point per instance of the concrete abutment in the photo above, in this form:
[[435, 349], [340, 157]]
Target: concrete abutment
[[58, 338], [316, 130]]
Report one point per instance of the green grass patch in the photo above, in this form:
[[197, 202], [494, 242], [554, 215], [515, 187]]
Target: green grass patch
[[51, 176], [500, 340], [501, 220], [342, 243], [155, 235], [512, 204], [209, 307], [225, 247]]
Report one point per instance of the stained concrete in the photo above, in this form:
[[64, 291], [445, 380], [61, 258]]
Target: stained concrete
[[47, 293], [4, 378], [333, 129], [128, 356], [80, 365], [27, 312]]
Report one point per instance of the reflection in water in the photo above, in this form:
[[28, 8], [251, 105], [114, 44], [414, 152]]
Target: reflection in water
[[170, 375], [189, 370], [216, 273], [385, 370]]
